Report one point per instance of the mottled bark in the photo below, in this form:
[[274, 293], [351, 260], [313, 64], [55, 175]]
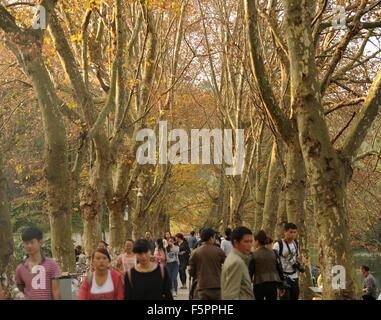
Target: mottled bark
[[117, 225], [93, 195], [273, 189], [260, 193], [281, 213], [214, 219], [294, 188], [26, 45], [295, 181], [326, 172], [91, 207], [56, 164]]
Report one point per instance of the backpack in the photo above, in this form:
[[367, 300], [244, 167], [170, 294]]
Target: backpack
[[280, 243], [279, 266]]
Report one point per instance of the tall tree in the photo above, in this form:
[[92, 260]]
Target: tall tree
[[26, 45]]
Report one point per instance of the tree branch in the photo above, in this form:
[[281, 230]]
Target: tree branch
[[277, 116], [364, 119], [7, 21]]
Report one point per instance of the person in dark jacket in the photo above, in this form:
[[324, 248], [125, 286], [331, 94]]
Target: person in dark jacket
[[148, 280], [184, 253], [264, 269], [205, 266]]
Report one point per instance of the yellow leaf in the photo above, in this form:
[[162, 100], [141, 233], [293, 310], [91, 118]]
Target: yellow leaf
[[19, 169], [76, 37]]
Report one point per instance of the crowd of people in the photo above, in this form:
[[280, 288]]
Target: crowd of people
[[216, 268]]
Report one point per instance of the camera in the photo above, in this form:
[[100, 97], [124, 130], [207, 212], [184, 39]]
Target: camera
[[299, 267]]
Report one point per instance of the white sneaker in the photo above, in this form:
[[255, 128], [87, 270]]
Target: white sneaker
[[174, 294]]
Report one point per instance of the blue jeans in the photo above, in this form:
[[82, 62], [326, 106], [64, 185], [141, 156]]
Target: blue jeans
[[173, 271]]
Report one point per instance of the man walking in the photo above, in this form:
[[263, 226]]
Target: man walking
[[370, 285], [235, 278], [205, 266], [288, 251], [192, 240], [37, 276]]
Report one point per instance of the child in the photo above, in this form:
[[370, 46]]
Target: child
[[37, 277]]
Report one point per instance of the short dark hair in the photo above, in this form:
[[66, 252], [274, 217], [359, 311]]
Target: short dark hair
[[129, 240], [180, 236], [102, 251], [141, 246], [366, 268], [228, 234], [31, 233], [262, 238], [290, 226], [239, 232], [207, 233], [192, 233], [160, 243]]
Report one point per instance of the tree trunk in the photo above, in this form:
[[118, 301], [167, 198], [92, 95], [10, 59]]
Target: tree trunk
[[261, 193], [305, 278], [6, 236], [272, 192], [262, 164], [281, 214], [236, 203], [296, 211], [91, 209], [295, 181], [326, 172], [214, 220], [56, 162], [117, 225], [139, 219]]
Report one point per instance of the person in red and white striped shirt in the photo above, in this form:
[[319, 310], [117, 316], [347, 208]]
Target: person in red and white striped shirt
[[37, 277]]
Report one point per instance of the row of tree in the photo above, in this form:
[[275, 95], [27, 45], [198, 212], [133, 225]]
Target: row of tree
[[306, 93]]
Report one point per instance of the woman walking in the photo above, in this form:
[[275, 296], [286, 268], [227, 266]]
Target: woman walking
[[172, 252], [127, 260], [103, 283], [264, 269], [148, 280], [160, 256], [226, 244], [184, 253]]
